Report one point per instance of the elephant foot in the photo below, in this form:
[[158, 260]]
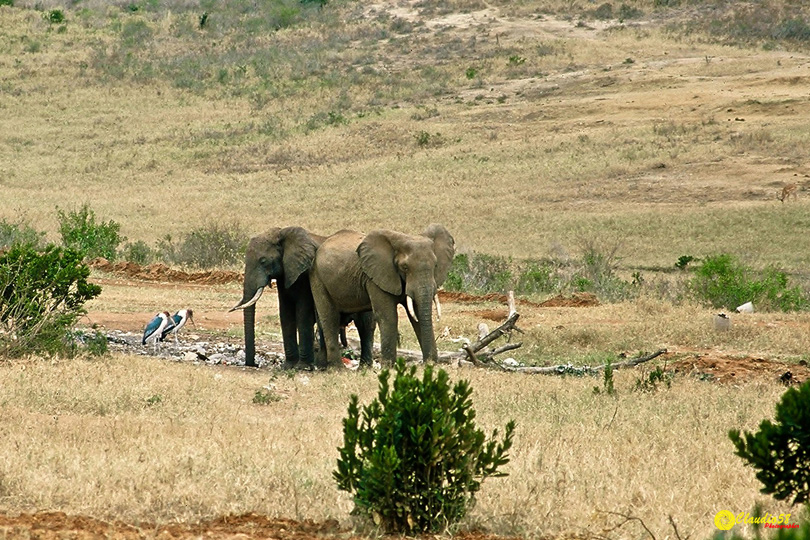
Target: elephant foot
[[287, 366]]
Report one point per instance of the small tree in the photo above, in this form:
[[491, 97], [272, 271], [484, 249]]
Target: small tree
[[80, 232], [41, 296], [416, 459], [781, 450]]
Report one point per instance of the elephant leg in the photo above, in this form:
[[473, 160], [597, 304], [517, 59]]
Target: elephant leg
[[320, 353], [345, 319], [385, 311], [289, 330], [329, 318], [365, 327], [415, 326], [305, 321]]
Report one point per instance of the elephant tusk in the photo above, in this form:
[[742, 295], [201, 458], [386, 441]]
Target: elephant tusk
[[411, 310], [249, 302], [438, 307]]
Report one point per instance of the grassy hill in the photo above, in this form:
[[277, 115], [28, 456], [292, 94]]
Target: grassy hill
[[528, 128]]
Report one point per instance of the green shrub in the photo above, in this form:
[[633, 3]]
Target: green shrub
[[138, 252], [416, 460], [19, 233], [55, 16], [95, 343], [80, 232], [6, 2], [781, 450], [724, 282], [41, 296], [211, 246]]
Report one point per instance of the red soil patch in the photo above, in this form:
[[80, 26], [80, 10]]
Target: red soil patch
[[161, 272], [57, 525], [729, 369]]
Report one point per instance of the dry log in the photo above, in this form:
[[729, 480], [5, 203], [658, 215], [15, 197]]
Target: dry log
[[502, 330], [570, 369]]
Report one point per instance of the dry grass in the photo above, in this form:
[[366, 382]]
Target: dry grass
[[565, 134], [118, 442], [572, 143]]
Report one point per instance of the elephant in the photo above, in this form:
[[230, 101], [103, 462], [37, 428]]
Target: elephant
[[286, 255], [353, 272]]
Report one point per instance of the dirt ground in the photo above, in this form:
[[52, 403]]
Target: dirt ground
[[708, 365], [57, 525], [722, 369]]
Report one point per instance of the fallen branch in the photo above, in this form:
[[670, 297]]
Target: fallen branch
[[570, 369], [504, 329]]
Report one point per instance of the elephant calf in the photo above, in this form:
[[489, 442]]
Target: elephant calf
[[353, 272]]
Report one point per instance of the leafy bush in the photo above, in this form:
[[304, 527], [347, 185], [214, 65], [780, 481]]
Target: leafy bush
[[41, 296], [781, 450], [55, 16], [80, 232], [416, 460], [6, 2], [724, 282], [138, 252], [19, 233], [210, 246]]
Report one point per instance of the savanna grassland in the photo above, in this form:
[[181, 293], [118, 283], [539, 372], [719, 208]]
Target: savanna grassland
[[646, 130]]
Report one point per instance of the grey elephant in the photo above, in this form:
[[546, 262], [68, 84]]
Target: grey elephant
[[286, 255], [353, 272]]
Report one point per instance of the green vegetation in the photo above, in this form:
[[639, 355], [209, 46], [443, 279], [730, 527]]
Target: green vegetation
[[19, 233], [725, 282], [210, 246], [42, 294], [416, 460], [780, 450], [81, 233]]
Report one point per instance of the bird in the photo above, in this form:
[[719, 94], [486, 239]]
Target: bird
[[178, 321], [155, 328]]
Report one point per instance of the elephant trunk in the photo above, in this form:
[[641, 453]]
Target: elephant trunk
[[424, 309], [249, 314]]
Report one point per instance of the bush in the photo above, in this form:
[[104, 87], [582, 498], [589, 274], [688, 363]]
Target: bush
[[41, 296], [138, 252], [416, 460], [19, 233], [80, 232], [781, 450], [210, 246], [724, 282]]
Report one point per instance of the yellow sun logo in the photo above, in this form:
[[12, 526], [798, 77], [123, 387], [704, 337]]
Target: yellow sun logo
[[724, 520]]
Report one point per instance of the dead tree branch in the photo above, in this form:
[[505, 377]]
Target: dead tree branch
[[570, 369], [503, 330]]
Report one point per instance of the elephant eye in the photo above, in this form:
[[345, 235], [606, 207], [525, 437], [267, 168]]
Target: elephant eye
[[262, 260]]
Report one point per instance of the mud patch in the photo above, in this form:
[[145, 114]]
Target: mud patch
[[737, 370], [162, 272], [58, 525]]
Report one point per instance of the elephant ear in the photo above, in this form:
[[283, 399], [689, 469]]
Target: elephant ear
[[377, 261], [299, 253], [444, 247]]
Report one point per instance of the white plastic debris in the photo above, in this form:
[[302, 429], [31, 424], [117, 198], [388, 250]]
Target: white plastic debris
[[747, 307]]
